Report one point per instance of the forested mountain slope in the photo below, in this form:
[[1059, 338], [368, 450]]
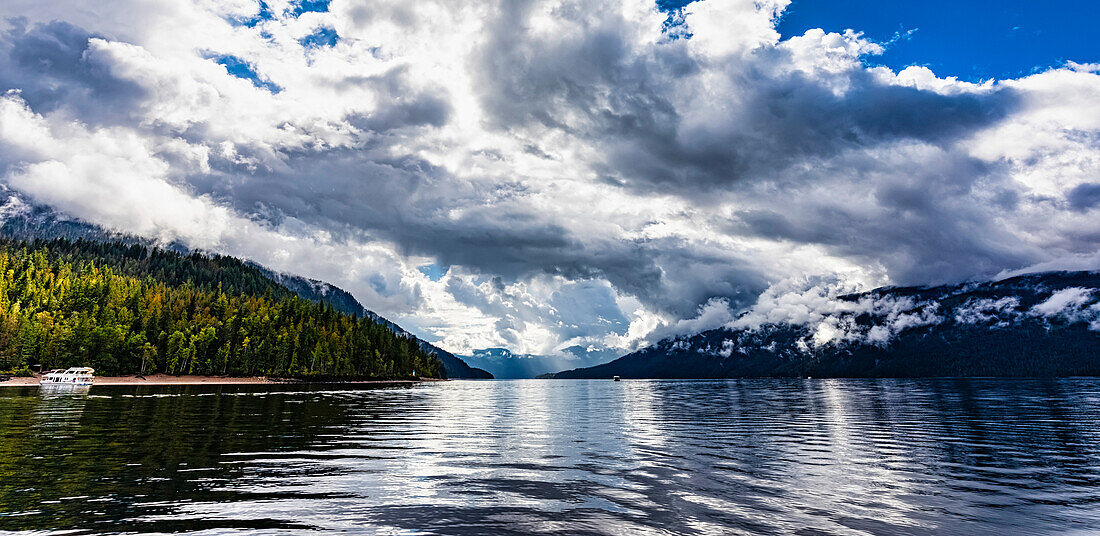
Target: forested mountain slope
[[127, 308], [342, 300], [27, 221]]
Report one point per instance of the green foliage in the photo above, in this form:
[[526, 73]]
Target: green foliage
[[132, 309]]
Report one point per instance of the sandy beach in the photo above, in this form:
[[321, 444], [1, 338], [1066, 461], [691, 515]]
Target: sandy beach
[[165, 379]]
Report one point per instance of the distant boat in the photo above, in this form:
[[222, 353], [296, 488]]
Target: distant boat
[[616, 378], [72, 376]]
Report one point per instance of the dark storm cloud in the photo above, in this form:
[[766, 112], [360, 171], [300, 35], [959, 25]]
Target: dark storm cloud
[[525, 79], [415, 111], [51, 66], [404, 207], [923, 226], [400, 104], [778, 119], [359, 193], [1084, 196], [786, 121]]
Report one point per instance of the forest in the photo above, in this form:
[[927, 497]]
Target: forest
[[134, 309]]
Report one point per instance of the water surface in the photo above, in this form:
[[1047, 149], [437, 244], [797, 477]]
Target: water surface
[[558, 456]]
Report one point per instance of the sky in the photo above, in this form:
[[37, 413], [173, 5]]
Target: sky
[[974, 40], [548, 175]]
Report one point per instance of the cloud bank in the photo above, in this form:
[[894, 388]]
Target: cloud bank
[[575, 173]]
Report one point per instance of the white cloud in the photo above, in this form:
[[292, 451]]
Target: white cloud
[[827, 310], [981, 311], [1071, 305]]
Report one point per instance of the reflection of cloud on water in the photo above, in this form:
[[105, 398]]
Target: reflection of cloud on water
[[494, 445], [642, 422], [844, 456], [861, 453], [599, 457], [519, 456]]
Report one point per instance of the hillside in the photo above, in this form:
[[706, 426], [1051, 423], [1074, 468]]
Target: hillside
[[25, 221], [1041, 325], [342, 300], [128, 308]]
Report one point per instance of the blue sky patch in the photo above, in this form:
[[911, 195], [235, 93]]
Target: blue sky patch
[[310, 6], [971, 40], [245, 70], [435, 272], [674, 27], [671, 5], [323, 37]]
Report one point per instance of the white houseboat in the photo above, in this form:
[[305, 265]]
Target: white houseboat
[[72, 376]]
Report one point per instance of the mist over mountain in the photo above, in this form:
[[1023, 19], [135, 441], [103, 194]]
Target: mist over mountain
[[1033, 325]]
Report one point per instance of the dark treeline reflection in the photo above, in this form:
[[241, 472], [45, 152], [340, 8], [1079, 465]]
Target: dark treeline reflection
[[71, 460], [565, 457]]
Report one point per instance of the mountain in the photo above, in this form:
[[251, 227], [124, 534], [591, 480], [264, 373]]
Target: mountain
[[456, 368], [504, 364], [342, 300], [127, 308], [27, 221], [1040, 325]]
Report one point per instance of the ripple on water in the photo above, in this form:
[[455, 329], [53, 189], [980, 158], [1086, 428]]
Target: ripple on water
[[585, 457]]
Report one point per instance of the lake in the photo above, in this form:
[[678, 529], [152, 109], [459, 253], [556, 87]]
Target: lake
[[806, 457]]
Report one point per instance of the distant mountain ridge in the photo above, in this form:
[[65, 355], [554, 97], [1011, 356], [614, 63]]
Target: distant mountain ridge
[[1041, 325], [26, 221], [504, 364]]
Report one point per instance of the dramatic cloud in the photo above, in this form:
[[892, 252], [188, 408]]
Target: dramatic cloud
[[575, 174]]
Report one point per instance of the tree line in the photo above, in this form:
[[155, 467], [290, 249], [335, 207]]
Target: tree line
[[126, 309]]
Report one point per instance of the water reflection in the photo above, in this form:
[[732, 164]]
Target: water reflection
[[522, 457]]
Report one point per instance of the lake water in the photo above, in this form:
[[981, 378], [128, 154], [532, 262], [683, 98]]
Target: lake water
[[804, 457]]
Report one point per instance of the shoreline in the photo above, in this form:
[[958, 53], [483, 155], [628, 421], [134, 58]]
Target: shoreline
[[166, 379]]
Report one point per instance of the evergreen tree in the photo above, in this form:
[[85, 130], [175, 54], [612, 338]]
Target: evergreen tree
[[129, 309]]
